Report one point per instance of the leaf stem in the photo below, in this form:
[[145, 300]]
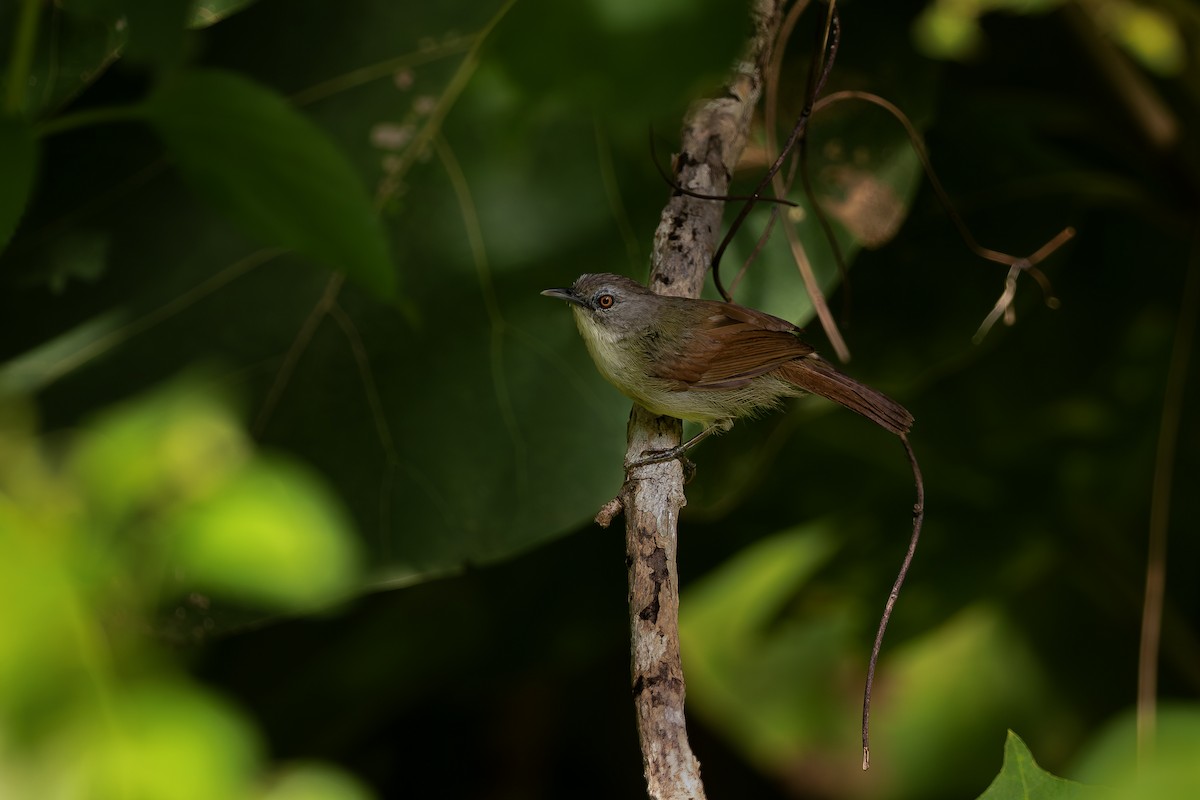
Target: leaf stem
[[24, 42], [92, 116]]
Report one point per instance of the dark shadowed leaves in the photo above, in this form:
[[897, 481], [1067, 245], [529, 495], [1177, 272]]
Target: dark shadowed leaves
[[271, 171], [18, 165]]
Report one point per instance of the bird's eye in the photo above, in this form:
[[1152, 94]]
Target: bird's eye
[[605, 301]]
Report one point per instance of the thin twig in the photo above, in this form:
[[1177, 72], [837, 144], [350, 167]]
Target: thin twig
[[727, 198], [51, 371], [833, 30], [1160, 510], [918, 521], [297, 349], [818, 74], [1016, 264], [415, 148]]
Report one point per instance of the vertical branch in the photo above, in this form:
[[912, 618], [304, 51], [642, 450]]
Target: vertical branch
[[714, 135], [652, 500]]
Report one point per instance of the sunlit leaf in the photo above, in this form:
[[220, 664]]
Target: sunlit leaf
[[168, 741], [39, 637], [270, 536], [1148, 34], [167, 448], [946, 31]]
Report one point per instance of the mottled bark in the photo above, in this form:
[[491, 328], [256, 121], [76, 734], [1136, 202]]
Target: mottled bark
[[714, 134]]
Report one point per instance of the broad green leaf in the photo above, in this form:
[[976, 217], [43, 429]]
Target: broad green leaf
[[272, 172], [18, 165], [1022, 779]]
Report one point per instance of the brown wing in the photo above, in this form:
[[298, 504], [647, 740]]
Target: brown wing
[[731, 347]]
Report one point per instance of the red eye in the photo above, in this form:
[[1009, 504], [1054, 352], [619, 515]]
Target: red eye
[[605, 301]]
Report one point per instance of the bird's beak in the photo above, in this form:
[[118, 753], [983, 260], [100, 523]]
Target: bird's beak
[[565, 294]]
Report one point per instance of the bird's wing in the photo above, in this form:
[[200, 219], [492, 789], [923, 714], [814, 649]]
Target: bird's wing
[[733, 346]]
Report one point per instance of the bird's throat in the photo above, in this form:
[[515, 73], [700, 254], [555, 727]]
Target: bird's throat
[[605, 348]]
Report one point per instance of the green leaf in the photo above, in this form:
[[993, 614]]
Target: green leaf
[[273, 172], [1022, 779], [18, 165]]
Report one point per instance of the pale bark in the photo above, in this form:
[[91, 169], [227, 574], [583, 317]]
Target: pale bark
[[714, 135]]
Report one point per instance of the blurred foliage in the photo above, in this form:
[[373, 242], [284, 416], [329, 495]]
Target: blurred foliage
[[1153, 36], [187, 183], [151, 509], [1168, 769]]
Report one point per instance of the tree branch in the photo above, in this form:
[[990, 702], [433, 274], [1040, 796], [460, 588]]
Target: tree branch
[[714, 135]]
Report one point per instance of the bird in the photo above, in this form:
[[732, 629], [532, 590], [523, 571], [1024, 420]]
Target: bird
[[707, 361]]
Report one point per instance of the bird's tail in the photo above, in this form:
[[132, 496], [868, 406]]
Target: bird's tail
[[817, 376]]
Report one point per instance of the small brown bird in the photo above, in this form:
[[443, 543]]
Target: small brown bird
[[706, 361]]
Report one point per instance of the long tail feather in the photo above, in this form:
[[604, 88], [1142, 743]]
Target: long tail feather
[[815, 375]]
